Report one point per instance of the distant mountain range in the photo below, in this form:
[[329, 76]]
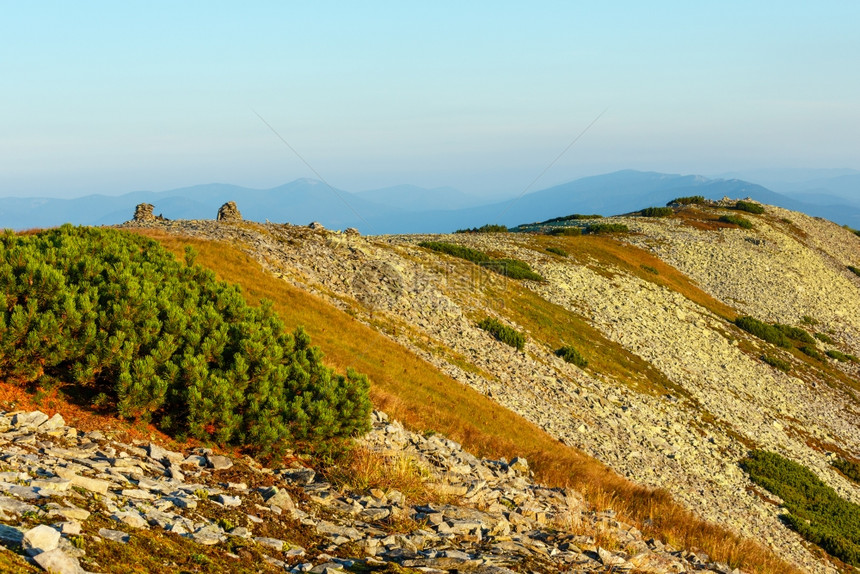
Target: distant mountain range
[[411, 209]]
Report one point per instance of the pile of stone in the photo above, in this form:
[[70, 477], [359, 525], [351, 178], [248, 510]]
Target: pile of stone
[[229, 212], [143, 213], [55, 481]]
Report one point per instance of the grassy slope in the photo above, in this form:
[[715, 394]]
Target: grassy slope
[[422, 397]]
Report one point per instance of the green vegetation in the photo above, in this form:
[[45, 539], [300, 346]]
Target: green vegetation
[[840, 356], [657, 212], [854, 231], [650, 269], [853, 270], [849, 468], [807, 320], [763, 331], [571, 355], [749, 207], [114, 315], [795, 333], [688, 200], [776, 363], [812, 352], [572, 217], [503, 333], [595, 228], [815, 511], [488, 228], [824, 338], [736, 220], [558, 251], [512, 268], [568, 231]]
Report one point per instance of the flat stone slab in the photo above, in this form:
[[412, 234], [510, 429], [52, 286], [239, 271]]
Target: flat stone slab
[[115, 535]]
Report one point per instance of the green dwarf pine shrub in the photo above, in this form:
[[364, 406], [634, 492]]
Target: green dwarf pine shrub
[[115, 317], [795, 333], [512, 268], [571, 355], [596, 228], [763, 331], [749, 207], [503, 333], [815, 511], [688, 200], [776, 363], [737, 220], [558, 251], [657, 212]]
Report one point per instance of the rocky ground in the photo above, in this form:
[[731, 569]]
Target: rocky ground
[[788, 267], [71, 501]]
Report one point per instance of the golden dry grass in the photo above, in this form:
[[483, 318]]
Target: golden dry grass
[[416, 393]]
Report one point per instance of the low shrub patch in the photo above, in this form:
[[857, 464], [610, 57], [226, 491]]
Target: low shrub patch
[[749, 207], [815, 511], [571, 217], [737, 220], [595, 228], [488, 228], [503, 333], [657, 212], [795, 333], [840, 356], [763, 331], [688, 200], [649, 269], [568, 231], [557, 250], [512, 268], [824, 338], [776, 363], [812, 352], [571, 355], [807, 320], [848, 468], [854, 270]]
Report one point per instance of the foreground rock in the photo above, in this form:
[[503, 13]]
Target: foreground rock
[[86, 490]]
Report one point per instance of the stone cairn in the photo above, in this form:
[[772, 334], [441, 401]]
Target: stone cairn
[[229, 212], [143, 213]]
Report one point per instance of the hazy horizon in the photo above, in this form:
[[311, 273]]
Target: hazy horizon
[[105, 98]]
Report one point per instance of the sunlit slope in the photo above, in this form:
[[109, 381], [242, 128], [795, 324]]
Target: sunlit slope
[[418, 392]]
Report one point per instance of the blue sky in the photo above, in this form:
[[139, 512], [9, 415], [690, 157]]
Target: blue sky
[[111, 97]]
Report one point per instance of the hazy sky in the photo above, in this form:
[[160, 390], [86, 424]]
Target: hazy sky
[[111, 97]]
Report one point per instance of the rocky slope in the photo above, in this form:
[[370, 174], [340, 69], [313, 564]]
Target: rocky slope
[[75, 501], [715, 397]]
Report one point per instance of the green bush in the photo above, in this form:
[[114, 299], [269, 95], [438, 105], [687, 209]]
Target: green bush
[[488, 228], [571, 355], [512, 268], [763, 331], [572, 217], [824, 338], [849, 468], [650, 269], [115, 317], [749, 207], [815, 511], [795, 333], [568, 231], [812, 352], [807, 320], [657, 212], [558, 251], [503, 333], [840, 356], [737, 220], [776, 363], [594, 228], [853, 270], [688, 200]]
